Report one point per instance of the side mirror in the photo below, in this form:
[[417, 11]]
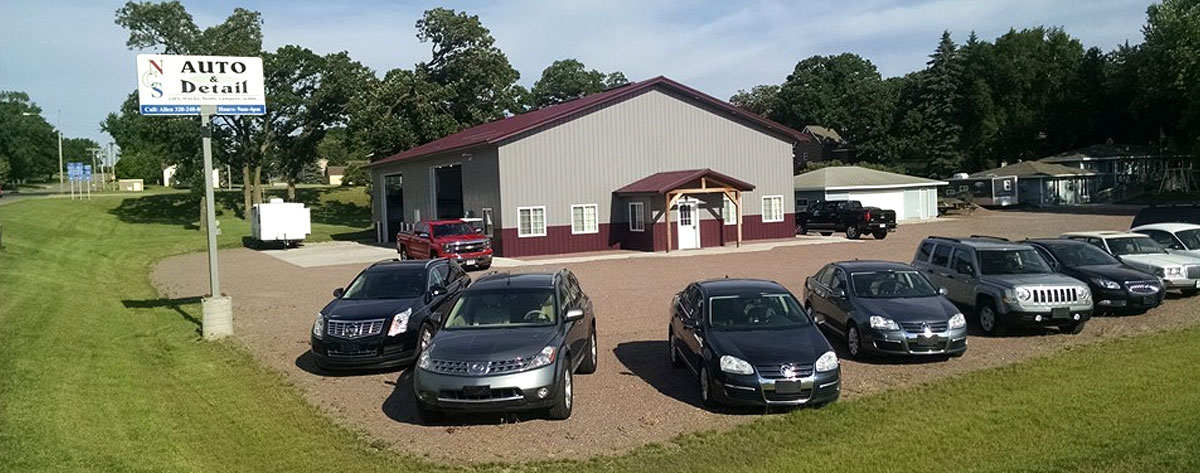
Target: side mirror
[[966, 269], [691, 323], [943, 291], [574, 314], [423, 234], [337, 293], [437, 290], [839, 293]]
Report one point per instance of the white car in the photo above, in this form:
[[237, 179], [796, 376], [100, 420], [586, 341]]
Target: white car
[[1178, 238], [1142, 252]]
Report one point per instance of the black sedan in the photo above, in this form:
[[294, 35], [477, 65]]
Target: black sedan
[[885, 308], [751, 344], [387, 314], [1116, 287]]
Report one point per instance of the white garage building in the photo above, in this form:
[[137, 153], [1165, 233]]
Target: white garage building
[[913, 198]]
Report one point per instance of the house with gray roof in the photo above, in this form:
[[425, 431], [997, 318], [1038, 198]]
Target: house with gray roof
[[911, 197], [1042, 183]]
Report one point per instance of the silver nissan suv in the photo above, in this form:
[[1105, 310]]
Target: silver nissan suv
[[1004, 283]]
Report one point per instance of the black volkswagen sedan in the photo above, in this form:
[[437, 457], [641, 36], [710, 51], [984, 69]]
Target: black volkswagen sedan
[[1116, 287], [751, 344], [387, 314], [885, 308]]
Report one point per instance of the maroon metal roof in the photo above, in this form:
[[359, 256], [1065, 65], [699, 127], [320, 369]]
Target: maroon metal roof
[[663, 182], [499, 130]]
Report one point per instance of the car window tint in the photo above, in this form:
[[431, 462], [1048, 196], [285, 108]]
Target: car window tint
[[438, 274], [1046, 255], [573, 287], [1164, 239], [839, 280], [924, 251], [456, 272], [564, 297], [961, 261], [825, 276], [941, 256]]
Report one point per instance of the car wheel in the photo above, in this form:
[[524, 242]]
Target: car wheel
[[563, 401], [424, 338], [802, 229], [403, 252], [1073, 329], [1190, 292], [588, 366], [989, 320], [706, 398], [854, 343], [879, 235], [826, 233], [484, 267], [852, 232], [672, 345]]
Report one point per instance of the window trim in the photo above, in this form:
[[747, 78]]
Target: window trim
[[531, 208], [728, 204], [765, 198], [641, 213], [596, 208]]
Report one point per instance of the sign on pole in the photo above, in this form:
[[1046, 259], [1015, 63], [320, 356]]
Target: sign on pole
[[179, 85], [204, 86]]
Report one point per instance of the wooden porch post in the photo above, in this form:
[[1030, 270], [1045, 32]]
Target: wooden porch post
[[667, 216], [739, 217]]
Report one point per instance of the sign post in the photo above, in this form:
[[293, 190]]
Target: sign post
[[204, 86]]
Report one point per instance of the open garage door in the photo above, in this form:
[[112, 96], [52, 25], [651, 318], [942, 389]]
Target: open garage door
[[448, 191], [393, 212]]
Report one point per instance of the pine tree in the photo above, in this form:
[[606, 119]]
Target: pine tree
[[940, 102]]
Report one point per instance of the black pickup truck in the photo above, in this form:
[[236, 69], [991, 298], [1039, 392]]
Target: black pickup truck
[[847, 216]]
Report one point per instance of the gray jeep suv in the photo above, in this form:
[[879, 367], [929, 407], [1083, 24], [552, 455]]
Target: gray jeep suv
[[1004, 283], [511, 342]]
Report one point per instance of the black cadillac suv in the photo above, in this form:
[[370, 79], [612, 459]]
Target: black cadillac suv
[[387, 314]]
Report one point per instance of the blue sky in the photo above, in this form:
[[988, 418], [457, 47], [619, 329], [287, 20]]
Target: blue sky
[[69, 55]]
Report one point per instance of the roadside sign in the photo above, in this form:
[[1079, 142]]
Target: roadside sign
[[75, 171], [179, 85], [86, 172]]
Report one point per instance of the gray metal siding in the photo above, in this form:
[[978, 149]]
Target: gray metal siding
[[582, 161], [480, 182]]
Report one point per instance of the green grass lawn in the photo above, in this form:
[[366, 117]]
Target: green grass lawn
[[98, 373]]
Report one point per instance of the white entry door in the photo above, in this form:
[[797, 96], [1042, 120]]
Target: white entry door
[[689, 225]]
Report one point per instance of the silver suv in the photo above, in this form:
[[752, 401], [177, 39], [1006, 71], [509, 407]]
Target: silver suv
[[1004, 284]]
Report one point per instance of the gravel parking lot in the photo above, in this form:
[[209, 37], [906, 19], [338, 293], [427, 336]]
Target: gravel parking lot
[[635, 397]]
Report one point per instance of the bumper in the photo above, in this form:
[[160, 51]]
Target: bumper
[[874, 227], [482, 258], [372, 353], [1113, 300], [753, 390], [1047, 316], [498, 393], [1182, 283], [949, 342]]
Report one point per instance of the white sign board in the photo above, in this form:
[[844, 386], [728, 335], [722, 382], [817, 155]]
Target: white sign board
[[179, 85]]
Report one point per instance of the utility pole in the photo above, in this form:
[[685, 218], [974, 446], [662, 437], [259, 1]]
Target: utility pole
[[60, 161], [95, 155], [217, 308]]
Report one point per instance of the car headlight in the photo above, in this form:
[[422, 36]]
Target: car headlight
[[958, 321], [487, 244], [446, 247], [318, 328], [879, 322], [827, 362], [400, 323], [543, 358], [1085, 293], [1023, 294], [1106, 283], [424, 361], [735, 365]]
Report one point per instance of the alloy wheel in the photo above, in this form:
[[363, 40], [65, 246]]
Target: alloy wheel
[[704, 394], [987, 319], [426, 337], [567, 390], [853, 344]]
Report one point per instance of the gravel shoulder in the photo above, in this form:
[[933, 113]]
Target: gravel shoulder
[[635, 397]]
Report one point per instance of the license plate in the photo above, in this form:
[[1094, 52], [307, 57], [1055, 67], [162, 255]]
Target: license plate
[[468, 262], [1060, 313], [1148, 300], [880, 225], [477, 391], [787, 387], [928, 341]]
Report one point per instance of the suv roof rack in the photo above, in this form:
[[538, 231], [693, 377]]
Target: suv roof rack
[[990, 237], [944, 238]]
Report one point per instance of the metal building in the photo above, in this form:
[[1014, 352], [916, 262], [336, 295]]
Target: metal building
[[596, 173]]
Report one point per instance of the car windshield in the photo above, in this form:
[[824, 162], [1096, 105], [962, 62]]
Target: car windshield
[[386, 284], [1190, 238], [500, 309], [1081, 255], [891, 285], [755, 311], [452, 229], [1025, 261], [1135, 246]]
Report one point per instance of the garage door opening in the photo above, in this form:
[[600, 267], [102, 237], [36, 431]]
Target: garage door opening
[[393, 197], [448, 191]]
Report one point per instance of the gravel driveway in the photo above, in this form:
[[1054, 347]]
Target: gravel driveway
[[635, 397]]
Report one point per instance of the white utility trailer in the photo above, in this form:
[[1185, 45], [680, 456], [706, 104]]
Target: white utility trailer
[[278, 221]]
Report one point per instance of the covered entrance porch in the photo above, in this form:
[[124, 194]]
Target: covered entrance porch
[[683, 210]]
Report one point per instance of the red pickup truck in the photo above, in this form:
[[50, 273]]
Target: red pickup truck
[[454, 239]]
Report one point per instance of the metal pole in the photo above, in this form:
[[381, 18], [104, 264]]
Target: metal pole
[[218, 309], [60, 162]]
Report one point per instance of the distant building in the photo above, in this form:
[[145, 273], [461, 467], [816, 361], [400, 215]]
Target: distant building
[[1045, 184], [335, 174], [827, 144], [912, 198]]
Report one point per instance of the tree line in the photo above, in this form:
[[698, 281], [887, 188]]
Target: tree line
[[1025, 95], [29, 143]]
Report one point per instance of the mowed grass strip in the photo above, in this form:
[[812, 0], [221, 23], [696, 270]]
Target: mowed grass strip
[[99, 374]]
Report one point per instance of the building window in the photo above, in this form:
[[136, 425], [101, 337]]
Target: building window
[[584, 219], [531, 221], [487, 221], [637, 217], [772, 208], [801, 204], [728, 211]]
